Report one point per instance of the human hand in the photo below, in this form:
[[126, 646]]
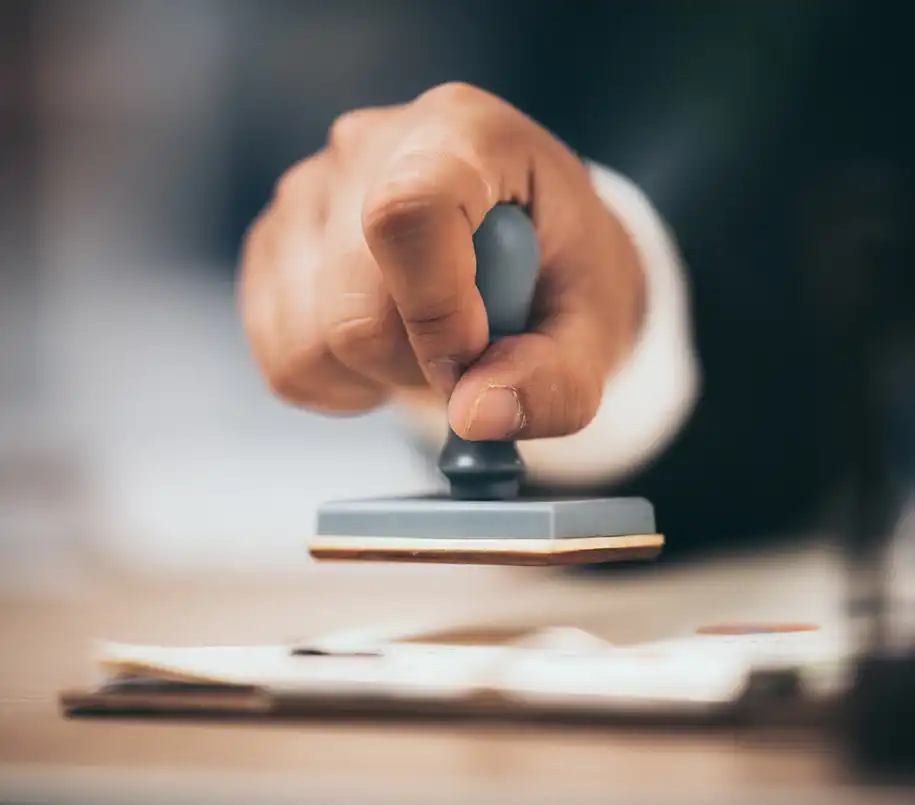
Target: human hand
[[357, 281]]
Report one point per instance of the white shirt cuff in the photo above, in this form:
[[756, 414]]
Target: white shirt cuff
[[647, 401]]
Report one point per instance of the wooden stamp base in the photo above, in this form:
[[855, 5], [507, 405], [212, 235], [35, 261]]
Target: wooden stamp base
[[522, 552]]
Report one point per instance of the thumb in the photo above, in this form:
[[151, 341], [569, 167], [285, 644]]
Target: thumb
[[527, 387]]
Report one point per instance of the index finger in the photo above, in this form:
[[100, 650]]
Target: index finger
[[419, 224], [419, 219]]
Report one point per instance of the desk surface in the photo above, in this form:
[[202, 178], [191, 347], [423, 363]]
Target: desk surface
[[45, 645]]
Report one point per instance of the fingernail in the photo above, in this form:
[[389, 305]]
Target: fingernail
[[496, 414], [443, 373]]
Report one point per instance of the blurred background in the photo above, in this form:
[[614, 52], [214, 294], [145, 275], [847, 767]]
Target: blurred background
[[140, 137]]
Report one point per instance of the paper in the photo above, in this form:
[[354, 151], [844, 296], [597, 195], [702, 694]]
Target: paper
[[553, 668]]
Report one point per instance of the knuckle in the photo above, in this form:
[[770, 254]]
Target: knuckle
[[490, 124], [434, 320], [348, 127], [458, 93], [365, 335], [401, 209], [303, 179], [500, 138]]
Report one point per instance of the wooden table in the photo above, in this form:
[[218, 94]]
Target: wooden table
[[45, 643]]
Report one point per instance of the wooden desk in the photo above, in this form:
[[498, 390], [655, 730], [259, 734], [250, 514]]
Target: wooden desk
[[45, 643]]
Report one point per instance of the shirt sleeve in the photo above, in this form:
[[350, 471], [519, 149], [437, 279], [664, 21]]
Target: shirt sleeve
[[647, 401]]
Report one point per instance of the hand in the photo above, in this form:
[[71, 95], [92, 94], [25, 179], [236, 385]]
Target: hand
[[357, 281]]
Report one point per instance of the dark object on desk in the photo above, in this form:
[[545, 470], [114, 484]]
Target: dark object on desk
[[879, 364], [484, 521]]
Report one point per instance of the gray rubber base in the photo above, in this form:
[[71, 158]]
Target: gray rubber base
[[443, 518]]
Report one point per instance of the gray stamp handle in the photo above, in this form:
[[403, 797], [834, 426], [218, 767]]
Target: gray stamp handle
[[508, 261]]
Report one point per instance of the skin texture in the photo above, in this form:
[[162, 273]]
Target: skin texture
[[357, 281]]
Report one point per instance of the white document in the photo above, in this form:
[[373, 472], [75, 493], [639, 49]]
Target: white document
[[551, 668]]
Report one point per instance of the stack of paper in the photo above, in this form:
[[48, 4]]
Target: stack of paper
[[541, 671]]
